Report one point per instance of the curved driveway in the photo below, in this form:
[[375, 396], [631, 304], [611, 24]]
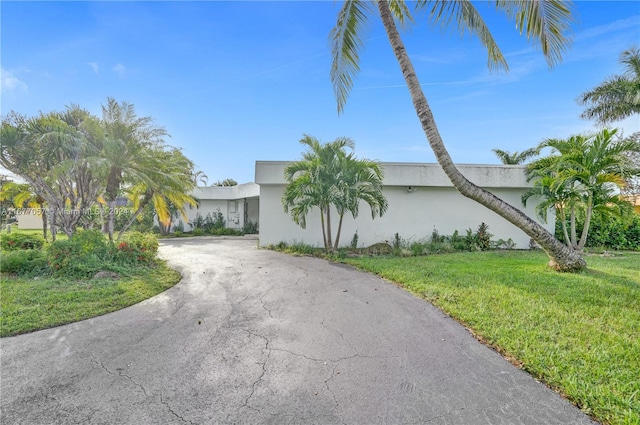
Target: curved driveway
[[257, 337]]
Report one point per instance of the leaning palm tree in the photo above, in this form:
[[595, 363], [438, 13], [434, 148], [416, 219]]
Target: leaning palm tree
[[515, 158], [619, 96], [544, 21]]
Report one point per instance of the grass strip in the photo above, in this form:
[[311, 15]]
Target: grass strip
[[28, 304], [578, 333]]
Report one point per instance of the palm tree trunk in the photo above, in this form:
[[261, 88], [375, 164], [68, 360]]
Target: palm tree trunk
[[111, 218], [561, 258], [329, 245], [324, 232], [587, 223], [574, 238], [130, 221], [565, 233], [335, 246]]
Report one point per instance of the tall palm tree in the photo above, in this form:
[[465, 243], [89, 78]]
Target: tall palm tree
[[126, 155], [327, 177], [515, 158], [619, 96], [544, 21], [358, 180], [584, 171]]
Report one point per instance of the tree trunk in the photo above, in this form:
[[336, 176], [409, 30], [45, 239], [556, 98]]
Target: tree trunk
[[328, 245], [324, 232], [563, 219], [130, 221], [111, 218], [335, 245], [587, 223], [574, 238], [561, 258]]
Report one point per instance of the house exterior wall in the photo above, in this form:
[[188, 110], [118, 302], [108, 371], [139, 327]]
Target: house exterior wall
[[420, 198], [230, 200], [29, 220]]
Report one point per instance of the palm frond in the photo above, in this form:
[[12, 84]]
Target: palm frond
[[346, 43], [544, 22], [464, 14]]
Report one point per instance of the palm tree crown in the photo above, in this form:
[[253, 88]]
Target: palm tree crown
[[327, 177], [546, 22], [619, 96]]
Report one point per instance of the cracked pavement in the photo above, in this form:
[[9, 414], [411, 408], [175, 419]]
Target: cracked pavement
[[253, 336]]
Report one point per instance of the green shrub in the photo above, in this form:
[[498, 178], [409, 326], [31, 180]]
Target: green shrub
[[197, 232], [214, 222], [94, 242], [13, 241], [620, 233], [83, 255], [226, 231], [68, 258], [31, 261], [250, 228], [198, 222], [137, 247], [354, 241]]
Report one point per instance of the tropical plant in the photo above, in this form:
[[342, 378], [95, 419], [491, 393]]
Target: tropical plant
[[583, 172], [327, 177], [126, 156], [167, 187], [51, 153], [22, 195], [545, 22], [619, 96], [226, 182], [515, 158]]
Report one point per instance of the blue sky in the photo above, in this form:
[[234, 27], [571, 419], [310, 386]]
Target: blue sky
[[236, 82]]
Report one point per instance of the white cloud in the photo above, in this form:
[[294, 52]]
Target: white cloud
[[616, 26], [95, 67], [119, 69], [9, 81]]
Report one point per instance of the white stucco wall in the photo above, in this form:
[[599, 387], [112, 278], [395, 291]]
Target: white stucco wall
[[29, 220], [431, 203], [230, 200]]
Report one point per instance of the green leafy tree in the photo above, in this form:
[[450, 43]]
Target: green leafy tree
[[51, 153], [126, 157], [515, 158], [328, 178], [226, 182], [167, 189], [619, 96], [583, 172], [544, 22]]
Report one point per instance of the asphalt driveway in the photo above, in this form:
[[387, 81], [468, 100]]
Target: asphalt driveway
[[252, 336]]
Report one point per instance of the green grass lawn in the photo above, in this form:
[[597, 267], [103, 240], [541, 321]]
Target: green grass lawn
[[28, 304], [579, 333]]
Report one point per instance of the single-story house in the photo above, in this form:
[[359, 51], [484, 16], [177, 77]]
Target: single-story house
[[421, 198], [238, 204]]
